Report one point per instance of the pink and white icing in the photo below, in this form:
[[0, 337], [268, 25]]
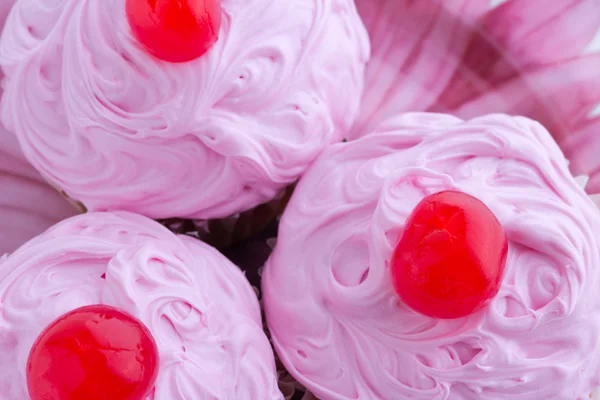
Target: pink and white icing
[[118, 129], [199, 307], [341, 329]]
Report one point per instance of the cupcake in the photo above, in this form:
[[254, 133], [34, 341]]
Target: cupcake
[[200, 111], [113, 305], [437, 258]]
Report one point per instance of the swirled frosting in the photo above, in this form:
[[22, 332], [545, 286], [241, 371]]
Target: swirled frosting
[[22, 214], [199, 307], [118, 129], [538, 338]]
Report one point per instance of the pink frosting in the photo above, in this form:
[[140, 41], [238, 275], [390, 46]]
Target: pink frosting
[[22, 212], [118, 129], [341, 329], [199, 307]]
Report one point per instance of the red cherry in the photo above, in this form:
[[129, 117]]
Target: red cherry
[[450, 259], [93, 353], [175, 30]]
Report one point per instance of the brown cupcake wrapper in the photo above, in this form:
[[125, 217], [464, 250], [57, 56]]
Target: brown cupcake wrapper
[[225, 232], [219, 233]]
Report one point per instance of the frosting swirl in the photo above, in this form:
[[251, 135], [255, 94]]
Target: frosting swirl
[[356, 340], [118, 129], [199, 307], [22, 214]]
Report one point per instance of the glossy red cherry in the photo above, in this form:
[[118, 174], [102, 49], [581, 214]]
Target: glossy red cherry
[[450, 259], [175, 30], [93, 353]]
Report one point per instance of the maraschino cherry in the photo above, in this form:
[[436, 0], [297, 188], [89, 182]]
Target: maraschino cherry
[[93, 353], [175, 30], [450, 259]]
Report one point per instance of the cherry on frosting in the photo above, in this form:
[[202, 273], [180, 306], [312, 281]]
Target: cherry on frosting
[[450, 259], [93, 353], [175, 30]]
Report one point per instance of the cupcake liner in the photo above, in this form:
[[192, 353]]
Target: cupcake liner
[[225, 232], [220, 233]]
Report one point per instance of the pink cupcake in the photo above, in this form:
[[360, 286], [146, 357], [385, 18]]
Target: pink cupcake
[[176, 319], [101, 114], [437, 258]]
